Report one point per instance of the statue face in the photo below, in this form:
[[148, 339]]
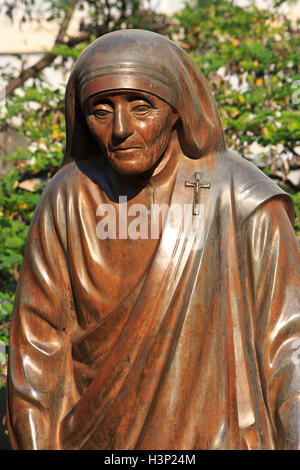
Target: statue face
[[133, 128]]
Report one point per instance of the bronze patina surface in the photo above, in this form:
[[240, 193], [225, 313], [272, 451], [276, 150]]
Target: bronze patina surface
[[186, 340]]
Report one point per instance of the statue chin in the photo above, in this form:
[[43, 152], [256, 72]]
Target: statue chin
[[134, 165], [128, 168]]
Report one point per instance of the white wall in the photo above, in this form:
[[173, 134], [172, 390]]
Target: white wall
[[169, 6]]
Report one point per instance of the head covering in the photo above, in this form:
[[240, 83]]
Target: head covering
[[144, 61]]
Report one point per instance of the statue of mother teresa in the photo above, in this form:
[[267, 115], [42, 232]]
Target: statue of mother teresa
[[185, 339]]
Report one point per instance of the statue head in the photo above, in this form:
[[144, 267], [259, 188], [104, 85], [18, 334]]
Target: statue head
[[126, 93], [133, 128]]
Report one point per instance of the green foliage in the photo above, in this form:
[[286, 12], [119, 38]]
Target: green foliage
[[6, 301], [70, 52], [296, 201], [41, 116], [262, 54]]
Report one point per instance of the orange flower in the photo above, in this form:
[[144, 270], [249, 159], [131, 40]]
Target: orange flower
[[55, 135]]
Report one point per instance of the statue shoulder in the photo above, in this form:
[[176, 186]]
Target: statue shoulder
[[59, 188], [249, 185], [64, 179]]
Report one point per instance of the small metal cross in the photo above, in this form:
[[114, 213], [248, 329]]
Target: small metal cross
[[194, 182]]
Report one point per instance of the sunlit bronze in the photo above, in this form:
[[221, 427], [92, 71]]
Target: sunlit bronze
[[155, 343]]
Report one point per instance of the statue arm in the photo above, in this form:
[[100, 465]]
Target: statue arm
[[40, 384], [274, 260]]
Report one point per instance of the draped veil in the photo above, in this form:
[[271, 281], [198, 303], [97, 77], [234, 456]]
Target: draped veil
[[115, 61]]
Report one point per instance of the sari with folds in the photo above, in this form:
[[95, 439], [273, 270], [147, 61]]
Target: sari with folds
[[193, 345]]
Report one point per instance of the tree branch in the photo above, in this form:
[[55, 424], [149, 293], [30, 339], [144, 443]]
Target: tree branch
[[47, 58]]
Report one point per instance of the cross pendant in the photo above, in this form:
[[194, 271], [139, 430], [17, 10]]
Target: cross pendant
[[194, 182]]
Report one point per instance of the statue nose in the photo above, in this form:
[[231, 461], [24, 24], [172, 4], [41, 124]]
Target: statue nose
[[121, 126]]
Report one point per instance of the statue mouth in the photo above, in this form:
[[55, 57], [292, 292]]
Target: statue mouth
[[125, 149]]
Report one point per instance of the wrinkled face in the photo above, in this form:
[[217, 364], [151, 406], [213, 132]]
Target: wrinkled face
[[133, 128]]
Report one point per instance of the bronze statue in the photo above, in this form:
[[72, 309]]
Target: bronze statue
[[187, 339]]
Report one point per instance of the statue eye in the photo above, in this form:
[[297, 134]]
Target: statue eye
[[102, 113], [141, 109]]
